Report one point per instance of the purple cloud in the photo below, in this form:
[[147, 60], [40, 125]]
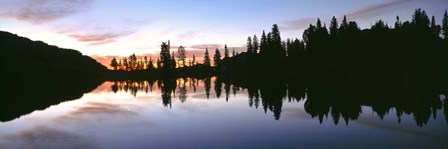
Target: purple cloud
[[298, 24], [376, 9], [41, 11]]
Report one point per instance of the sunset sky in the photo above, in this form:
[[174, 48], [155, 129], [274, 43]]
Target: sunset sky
[[103, 28]]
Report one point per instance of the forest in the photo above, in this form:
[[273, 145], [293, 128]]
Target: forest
[[404, 55]]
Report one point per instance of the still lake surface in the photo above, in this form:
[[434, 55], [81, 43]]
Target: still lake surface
[[210, 114]]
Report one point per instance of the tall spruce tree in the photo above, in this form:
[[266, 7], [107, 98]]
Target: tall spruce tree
[[226, 51], [249, 45], [217, 57], [255, 44], [445, 25], [334, 28], [165, 57], [206, 58]]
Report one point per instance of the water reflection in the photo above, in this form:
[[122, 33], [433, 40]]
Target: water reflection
[[138, 114], [25, 95], [320, 102]]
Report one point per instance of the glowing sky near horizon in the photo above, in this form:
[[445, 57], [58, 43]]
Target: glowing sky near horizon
[[120, 28]]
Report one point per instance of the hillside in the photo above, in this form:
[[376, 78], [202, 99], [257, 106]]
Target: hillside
[[19, 53], [36, 75]]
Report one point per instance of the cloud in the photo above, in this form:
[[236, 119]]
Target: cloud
[[209, 46], [41, 11], [364, 13], [394, 128], [201, 47], [41, 137], [298, 24], [376, 9], [187, 35], [99, 39], [95, 32], [100, 108], [101, 32], [97, 113]]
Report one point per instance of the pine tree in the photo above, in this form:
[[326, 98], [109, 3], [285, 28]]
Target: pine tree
[[217, 57], [132, 62], [194, 60], [150, 63], [159, 64], [420, 19], [145, 62], [126, 64], [263, 42], [206, 58], [249, 45], [114, 63], [173, 61], [344, 24], [435, 28], [255, 44], [398, 23], [334, 28], [445, 25], [226, 51], [276, 43], [181, 55], [165, 57]]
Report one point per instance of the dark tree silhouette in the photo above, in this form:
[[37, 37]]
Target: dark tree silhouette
[[150, 64], [249, 45], [255, 44], [445, 25], [206, 58], [173, 61], [334, 28], [207, 86], [114, 63], [217, 58], [218, 87], [398, 23], [194, 60], [435, 28], [263, 43], [226, 51], [165, 57]]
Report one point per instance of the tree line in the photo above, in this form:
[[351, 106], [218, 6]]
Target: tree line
[[408, 53], [405, 54], [168, 60]]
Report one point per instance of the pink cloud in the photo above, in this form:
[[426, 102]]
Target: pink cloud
[[43, 10], [376, 9]]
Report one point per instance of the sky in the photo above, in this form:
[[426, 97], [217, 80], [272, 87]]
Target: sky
[[107, 28]]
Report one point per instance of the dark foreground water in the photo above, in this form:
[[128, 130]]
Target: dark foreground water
[[210, 114]]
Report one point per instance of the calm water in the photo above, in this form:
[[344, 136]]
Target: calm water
[[209, 114]]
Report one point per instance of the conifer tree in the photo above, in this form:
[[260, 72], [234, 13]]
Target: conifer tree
[[206, 58]]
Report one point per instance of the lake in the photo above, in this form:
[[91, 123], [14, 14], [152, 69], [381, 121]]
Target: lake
[[208, 113]]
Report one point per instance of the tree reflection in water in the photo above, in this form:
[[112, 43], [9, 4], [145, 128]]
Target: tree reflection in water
[[320, 101]]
